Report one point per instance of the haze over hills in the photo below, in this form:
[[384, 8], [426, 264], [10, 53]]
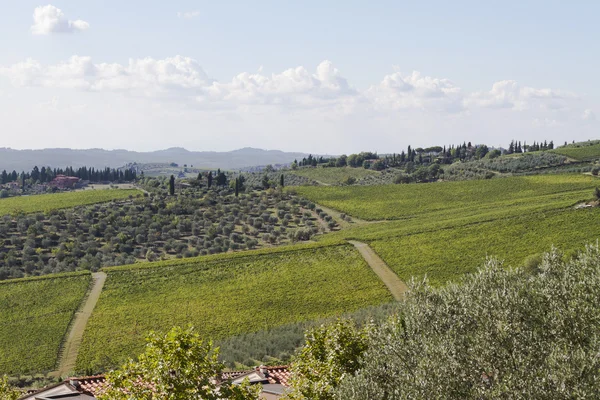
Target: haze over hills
[[18, 160]]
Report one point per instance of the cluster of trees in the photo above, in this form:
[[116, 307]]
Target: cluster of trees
[[360, 160], [196, 222], [499, 334], [45, 175], [517, 147]]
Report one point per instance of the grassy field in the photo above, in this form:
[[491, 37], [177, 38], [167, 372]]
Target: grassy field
[[48, 202], [391, 202], [225, 296], [446, 254], [583, 151], [333, 176], [34, 316]]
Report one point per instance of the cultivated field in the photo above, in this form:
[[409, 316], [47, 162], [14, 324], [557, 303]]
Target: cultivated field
[[583, 151], [334, 176], [34, 316], [224, 296], [446, 254], [49, 202], [389, 202]]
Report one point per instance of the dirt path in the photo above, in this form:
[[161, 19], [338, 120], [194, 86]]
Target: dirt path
[[391, 280], [70, 347]]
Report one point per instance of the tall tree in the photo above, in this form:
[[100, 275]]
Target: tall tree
[[172, 185], [209, 178], [281, 181]]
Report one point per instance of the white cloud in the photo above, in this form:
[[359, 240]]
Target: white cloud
[[509, 94], [49, 19], [147, 76], [415, 91], [188, 14], [295, 86], [323, 89], [588, 115]]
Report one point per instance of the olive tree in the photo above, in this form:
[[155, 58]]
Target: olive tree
[[331, 353], [500, 334]]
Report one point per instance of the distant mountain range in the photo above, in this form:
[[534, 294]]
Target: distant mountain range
[[24, 160]]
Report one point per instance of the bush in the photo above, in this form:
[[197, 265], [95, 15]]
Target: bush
[[498, 334]]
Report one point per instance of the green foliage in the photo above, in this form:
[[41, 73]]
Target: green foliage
[[49, 202], [197, 221], [514, 163], [179, 365], [331, 353], [404, 201], [582, 151], [225, 296], [7, 392], [499, 334], [275, 346], [333, 175], [34, 316]]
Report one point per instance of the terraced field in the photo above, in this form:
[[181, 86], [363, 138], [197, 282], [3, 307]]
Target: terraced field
[[225, 297], [49, 202], [34, 316]]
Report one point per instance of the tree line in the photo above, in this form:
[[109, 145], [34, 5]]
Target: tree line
[[421, 156], [47, 174]]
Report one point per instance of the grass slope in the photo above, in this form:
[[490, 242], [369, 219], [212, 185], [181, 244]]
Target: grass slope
[[334, 176], [583, 151], [34, 316], [445, 255], [391, 202], [49, 202], [225, 297]]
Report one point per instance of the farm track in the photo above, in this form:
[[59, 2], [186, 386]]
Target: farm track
[[388, 277], [70, 348]]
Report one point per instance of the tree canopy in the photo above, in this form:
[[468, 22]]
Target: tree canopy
[[178, 365]]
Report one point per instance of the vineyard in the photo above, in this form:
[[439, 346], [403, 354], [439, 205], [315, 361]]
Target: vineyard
[[446, 254], [391, 202], [584, 151], [334, 175], [224, 297], [58, 201], [34, 316]]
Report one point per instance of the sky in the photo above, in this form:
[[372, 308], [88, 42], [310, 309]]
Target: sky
[[325, 77]]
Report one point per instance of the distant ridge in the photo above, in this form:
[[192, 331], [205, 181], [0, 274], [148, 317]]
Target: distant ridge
[[19, 160]]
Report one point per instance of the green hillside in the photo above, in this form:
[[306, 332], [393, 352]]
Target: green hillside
[[225, 297], [34, 316], [49, 202], [583, 151], [389, 202]]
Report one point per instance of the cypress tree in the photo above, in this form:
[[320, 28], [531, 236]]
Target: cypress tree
[[210, 179], [281, 183], [172, 185]]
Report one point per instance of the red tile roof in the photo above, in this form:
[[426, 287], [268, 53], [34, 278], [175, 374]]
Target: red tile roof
[[94, 385]]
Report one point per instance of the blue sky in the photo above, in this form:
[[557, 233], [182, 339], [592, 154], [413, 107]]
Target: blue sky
[[311, 76]]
